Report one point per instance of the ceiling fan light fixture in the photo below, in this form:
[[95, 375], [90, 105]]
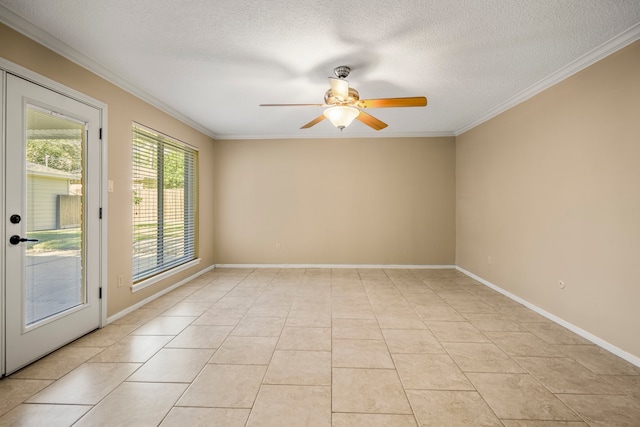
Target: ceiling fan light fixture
[[341, 116]]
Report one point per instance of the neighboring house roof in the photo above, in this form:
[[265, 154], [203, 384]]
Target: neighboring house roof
[[35, 169]]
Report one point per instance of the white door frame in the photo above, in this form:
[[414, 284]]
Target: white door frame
[[7, 66]]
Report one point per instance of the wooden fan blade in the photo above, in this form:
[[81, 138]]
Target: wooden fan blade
[[314, 122], [371, 121], [291, 105], [339, 87], [415, 101]]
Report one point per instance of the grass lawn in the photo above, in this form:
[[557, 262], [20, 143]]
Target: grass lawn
[[69, 238], [55, 240]]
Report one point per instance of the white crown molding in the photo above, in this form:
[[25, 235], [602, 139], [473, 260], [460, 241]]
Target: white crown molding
[[338, 135], [47, 40], [616, 43], [573, 328]]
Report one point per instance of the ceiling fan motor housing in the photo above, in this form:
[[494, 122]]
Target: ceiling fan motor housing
[[331, 99]]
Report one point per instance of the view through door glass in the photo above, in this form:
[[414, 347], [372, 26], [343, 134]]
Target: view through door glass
[[54, 200]]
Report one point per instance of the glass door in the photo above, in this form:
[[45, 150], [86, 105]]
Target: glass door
[[52, 230]]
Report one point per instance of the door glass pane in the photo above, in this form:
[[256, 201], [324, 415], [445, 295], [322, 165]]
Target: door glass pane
[[54, 215]]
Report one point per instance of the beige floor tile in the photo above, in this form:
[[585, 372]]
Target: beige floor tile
[[552, 333], [134, 404], [605, 411], [274, 334], [400, 321], [471, 305], [209, 294], [220, 317], [104, 337], [429, 297], [356, 329], [434, 312], [373, 420], [299, 368], [368, 391], [245, 351], [451, 409], [164, 302], [348, 353], [15, 391], [190, 309], [162, 325], [173, 365], [86, 385], [204, 336], [206, 417], [352, 313], [138, 317], [523, 344], [285, 405], [530, 423], [564, 375], [309, 318], [57, 363], [235, 302], [224, 386], [521, 314], [493, 322], [430, 372], [482, 357], [296, 338], [598, 360], [520, 396], [132, 349], [412, 341], [456, 332], [259, 327], [269, 310], [43, 415], [629, 384], [183, 291], [312, 304]]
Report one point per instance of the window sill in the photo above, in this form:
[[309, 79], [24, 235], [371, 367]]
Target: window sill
[[155, 279]]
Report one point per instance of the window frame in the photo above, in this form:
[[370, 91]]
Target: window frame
[[158, 144]]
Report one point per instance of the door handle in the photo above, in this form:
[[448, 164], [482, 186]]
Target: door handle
[[15, 239]]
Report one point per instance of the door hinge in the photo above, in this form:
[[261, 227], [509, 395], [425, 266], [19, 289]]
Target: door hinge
[[100, 214], [100, 134], [100, 292]]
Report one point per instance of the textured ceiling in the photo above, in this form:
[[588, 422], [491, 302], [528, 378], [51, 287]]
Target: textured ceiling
[[212, 62]]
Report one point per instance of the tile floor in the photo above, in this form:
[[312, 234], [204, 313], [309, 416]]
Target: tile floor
[[323, 347]]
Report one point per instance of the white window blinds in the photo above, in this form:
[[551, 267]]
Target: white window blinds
[[164, 203]]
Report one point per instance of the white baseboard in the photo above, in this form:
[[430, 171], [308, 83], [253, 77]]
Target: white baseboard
[[157, 295], [573, 328], [390, 266]]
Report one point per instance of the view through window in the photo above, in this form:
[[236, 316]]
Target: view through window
[[164, 203]]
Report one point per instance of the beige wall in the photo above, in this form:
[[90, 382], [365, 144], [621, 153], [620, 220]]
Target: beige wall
[[335, 201], [123, 108], [550, 190]]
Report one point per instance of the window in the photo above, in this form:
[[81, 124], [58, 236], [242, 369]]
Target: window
[[164, 203]]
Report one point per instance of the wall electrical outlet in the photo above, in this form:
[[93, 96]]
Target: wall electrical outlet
[[278, 247], [120, 281], [489, 260]]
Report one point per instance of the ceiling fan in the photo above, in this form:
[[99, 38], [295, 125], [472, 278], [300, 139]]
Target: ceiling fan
[[344, 104]]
